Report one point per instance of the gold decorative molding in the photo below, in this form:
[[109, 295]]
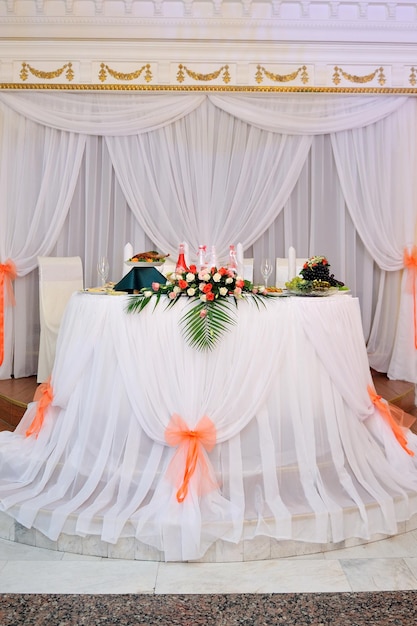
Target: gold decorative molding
[[338, 71], [105, 69], [26, 68], [203, 77], [281, 78], [411, 91]]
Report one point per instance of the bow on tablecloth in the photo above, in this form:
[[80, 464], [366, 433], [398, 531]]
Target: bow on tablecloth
[[386, 413], [7, 275], [192, 443], [43, 396]]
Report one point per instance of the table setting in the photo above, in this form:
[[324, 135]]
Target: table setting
[[194, 419]]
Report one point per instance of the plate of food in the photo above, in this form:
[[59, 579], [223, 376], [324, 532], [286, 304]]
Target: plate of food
[[95, 291], [103, 291], [151, 258], [276, 291]]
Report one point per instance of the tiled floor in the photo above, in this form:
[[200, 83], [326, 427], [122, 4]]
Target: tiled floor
[[390, 564]]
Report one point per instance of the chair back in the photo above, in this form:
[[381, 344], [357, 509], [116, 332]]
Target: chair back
[[281, 270], [59, 277]]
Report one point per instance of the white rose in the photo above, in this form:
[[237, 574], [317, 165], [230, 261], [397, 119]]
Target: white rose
[[203, 297], [148, 294], [189, 277], [228, 280], [191, 291], [217, 277], [177, 289], [223, 291]]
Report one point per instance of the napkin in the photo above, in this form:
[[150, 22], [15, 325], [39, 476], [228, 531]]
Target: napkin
[[127, 254]]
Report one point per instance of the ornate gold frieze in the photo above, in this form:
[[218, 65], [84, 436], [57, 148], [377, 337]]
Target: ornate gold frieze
[[281, 78], [26, 68], [412, 91], [105, 69], [358, 79], [204, 77]]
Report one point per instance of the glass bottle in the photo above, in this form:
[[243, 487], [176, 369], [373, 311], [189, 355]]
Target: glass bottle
[[232, 259], [201, 256], [213, 257], [181, 265]]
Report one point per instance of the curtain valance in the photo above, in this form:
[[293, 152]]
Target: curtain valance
[[130, 114]]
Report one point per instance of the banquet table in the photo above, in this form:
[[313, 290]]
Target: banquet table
[[300, 451]]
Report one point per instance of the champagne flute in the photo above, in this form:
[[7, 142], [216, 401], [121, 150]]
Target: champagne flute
[[266, 270], [103, 269]]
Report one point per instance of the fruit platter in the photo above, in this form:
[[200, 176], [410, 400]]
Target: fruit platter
[[151, 258], [315, 280]]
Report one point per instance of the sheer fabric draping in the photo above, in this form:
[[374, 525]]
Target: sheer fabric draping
[[38, 172], [217, 168], [381, 195], [289, 465]]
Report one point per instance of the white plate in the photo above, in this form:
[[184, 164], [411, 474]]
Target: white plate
[[144, 263], [99, 291]]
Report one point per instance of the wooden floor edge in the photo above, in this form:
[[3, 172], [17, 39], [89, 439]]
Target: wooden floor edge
[[22, 405]]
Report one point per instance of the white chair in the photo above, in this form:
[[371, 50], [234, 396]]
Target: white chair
[[59, 277], [281, 270], [248, 269]]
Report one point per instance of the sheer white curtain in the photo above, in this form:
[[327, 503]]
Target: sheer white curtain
[[255, 168], [377, 171], [315, 220], [207, 178], [38, 171]]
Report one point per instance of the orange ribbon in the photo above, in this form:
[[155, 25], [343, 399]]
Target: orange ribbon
[[385, 411], [410, 262], [177, 434], [43, 396], [7, 274]]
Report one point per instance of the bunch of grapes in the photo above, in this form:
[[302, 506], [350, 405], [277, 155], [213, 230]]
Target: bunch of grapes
[[318, 269]]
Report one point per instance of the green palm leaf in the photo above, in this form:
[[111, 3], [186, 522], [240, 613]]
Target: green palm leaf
[[206, 322]]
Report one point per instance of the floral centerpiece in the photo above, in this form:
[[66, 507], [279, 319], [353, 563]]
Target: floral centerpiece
[[212, 292]]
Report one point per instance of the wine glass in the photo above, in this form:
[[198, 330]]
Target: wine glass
[[103, 269], [266, 270]]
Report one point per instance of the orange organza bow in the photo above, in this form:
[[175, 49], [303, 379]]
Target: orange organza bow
[[7, 274], [410, 262], [386, 412], [177, 434], [43, 396]]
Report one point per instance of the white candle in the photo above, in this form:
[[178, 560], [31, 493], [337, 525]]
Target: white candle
[[292, 270], [127, 254], [240, 260]]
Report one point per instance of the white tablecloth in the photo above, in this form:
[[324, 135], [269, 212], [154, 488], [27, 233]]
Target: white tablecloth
[[299, 443]]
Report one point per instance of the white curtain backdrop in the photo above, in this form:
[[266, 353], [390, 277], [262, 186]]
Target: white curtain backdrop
[[315, 171]]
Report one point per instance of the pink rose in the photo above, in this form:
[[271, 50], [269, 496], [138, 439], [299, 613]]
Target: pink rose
[[155, 286]]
